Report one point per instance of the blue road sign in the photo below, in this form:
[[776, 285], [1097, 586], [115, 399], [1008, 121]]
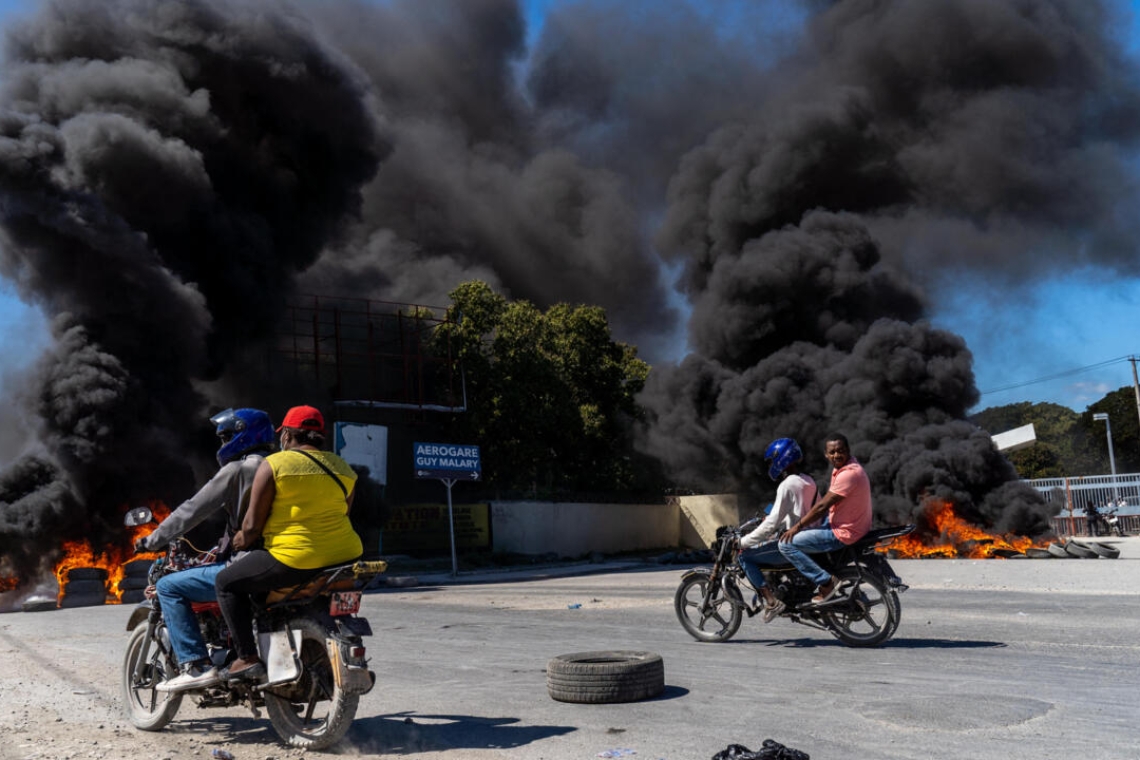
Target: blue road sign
[[453, 461]]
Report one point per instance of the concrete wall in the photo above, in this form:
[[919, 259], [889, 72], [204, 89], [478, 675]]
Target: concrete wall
[[577, 529], [702, 515]]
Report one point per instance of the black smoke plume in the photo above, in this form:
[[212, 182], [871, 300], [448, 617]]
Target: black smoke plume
[[165, 171], [814, 174], [904, 140]]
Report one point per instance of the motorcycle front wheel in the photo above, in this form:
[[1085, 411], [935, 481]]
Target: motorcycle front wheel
[[147, 708], [311, 713], [870, 612], [703, 608]]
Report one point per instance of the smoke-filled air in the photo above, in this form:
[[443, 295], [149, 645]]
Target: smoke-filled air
[[765, 197]]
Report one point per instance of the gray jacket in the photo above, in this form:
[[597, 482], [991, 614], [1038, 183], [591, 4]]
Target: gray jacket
[[228, 489]]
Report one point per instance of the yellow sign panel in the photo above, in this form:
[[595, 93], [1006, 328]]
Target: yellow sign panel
[[418, 528]]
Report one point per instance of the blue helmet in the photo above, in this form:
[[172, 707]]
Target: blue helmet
[[781, 453], [242, 431]]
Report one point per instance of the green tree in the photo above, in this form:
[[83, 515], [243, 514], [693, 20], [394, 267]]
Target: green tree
[[550, 395], [1120, 406], [1070, 443]]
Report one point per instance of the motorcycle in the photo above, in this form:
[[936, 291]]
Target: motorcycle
[[865, 611], [1113, 521], [309, 637]]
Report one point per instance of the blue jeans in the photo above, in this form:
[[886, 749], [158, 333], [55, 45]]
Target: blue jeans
[[175, 593], [766, 554], [815, 541]]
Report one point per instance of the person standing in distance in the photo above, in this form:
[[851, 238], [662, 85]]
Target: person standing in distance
[[247, 436], [847, 505], [794, 497]]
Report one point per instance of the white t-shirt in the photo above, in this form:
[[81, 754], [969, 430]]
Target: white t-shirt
[[794, 498]]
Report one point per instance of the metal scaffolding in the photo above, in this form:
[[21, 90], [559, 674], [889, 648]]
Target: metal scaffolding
[[374, 353]]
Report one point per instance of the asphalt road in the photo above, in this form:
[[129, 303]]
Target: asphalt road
[[994, 659]]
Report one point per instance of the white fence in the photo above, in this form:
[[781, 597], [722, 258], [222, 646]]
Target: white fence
[[1101, 490]]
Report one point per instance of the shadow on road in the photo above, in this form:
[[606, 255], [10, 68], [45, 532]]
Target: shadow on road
[[410, 732], [899, 643]]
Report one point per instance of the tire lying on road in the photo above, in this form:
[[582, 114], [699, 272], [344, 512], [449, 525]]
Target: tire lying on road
[[1108, 551], [605, 677], [1058, 550], [1080, 550], [40, 604]]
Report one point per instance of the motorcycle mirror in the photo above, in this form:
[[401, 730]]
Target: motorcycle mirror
[[138, 516]]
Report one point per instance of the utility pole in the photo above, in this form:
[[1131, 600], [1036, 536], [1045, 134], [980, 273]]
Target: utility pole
[[1135, 383]]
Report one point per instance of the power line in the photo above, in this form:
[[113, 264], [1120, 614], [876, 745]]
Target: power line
[[1057, 376]]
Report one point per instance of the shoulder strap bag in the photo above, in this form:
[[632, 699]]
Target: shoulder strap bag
[[324, 467]]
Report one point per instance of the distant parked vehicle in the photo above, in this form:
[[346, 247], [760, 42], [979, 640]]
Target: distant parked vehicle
[[1113, 521]]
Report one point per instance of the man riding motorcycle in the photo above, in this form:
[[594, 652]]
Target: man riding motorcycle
[[847, 504], [247, 435], [794, 496]]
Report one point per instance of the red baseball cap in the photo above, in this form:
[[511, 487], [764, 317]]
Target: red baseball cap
[[304, 418]]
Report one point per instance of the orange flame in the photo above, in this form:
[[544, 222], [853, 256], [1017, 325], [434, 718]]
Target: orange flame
[[948, 535], [111, 557]]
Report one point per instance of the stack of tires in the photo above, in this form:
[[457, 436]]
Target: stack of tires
[[135, 580], [84, 587]]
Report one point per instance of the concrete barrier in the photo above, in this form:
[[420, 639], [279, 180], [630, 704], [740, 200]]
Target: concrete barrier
[[574, 529]]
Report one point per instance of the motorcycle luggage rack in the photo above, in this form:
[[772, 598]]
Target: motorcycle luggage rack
[[341, 578]]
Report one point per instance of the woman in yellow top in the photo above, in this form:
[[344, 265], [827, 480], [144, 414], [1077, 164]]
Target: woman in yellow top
[[298, 506]]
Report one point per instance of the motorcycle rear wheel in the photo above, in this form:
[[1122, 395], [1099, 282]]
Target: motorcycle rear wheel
[[871, 613], [312, 713], [704, 610], [146, 707]]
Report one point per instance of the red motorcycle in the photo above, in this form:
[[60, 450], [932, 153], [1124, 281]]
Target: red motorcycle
[[309, 637]]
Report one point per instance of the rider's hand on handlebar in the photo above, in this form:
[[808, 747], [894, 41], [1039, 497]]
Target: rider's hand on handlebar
[[140, 546]]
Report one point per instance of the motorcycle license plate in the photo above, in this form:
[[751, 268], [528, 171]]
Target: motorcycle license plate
[[344, 603]]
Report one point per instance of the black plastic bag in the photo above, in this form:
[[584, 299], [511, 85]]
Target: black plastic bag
[[769, 750]]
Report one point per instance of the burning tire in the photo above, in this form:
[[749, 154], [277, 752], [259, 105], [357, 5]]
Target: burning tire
[[138, 568], [132, 596], [84, 588], [605, 677], [87, 574], [130, 584], [1035, 553], [83, 600]]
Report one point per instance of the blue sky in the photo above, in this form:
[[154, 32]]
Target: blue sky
[[1077, 329]]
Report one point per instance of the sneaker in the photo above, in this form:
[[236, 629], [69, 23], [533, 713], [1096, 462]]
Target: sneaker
[[773, 609], [193, 678]]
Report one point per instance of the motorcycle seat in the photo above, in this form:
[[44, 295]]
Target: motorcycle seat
[[354, 576]]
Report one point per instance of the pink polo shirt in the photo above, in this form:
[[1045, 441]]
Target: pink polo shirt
[[850, 517]]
